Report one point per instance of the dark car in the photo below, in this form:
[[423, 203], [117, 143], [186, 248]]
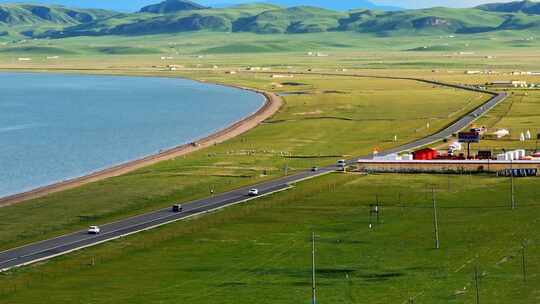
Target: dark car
[[177, 208]]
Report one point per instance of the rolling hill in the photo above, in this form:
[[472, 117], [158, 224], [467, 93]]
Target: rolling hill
[[28, 14], [341, 5], [26, 19], [526, 7], [174, 16], [172, 6]]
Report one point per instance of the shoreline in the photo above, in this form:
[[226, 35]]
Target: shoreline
[[272, 104]]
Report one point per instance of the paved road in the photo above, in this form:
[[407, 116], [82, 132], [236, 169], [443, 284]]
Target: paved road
[[64, 244]]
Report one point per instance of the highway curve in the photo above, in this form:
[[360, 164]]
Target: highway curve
[[64, 244]]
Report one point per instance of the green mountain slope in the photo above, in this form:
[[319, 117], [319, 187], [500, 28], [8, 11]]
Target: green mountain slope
[[527, 7], [172, 6], [302, 19], [149, 23], [26, 14], [29, 19], [426, 21], [172, 16]]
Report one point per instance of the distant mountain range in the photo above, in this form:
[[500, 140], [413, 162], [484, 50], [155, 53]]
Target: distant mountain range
[[339, 5], [172, 6], [135, 5], [173, 16]]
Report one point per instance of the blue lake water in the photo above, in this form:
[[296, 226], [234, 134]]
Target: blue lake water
[[55, 127]]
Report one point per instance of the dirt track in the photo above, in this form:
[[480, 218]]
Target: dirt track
[[272, 105]]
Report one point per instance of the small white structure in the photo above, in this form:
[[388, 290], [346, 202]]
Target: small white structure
[[407, 157], [509, 84], [502, 133], [282, 76], [24, 59], [528, 135], [519, 84], [455, 146], [174, 67], [522, 137], [509, 156], [393, 156], [513, 155]]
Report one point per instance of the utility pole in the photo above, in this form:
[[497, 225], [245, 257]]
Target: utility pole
[[477, 284], [400, 203], [377, 209], [512, 189], [435, 219], [313, 272], [523, 263]]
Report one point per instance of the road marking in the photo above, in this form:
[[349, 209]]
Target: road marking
[[136, 231]]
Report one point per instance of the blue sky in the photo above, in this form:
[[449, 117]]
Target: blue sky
[[130, 5]]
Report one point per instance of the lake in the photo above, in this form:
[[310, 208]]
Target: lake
[[55, 127]]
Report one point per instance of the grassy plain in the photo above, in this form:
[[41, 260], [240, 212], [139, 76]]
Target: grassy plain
[[260, 252], [521, 113], [331, 119]]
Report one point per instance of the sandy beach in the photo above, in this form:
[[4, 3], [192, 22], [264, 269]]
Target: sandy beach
[[272, 105]]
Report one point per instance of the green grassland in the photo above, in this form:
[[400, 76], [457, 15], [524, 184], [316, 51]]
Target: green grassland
[[355, 51], [331, 119], [260, 252], [519, 114], [206, 42]]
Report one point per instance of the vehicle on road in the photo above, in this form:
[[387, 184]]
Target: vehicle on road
[[94, 230], [314, 169], [342, 165], [253, 192], [177, 208]]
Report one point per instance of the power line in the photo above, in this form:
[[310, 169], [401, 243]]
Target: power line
[[313, 271], [435, 219], [512, 189], [477, 284], [523, 263]]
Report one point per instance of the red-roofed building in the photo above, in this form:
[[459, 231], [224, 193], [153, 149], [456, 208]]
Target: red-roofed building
[[425, 154]]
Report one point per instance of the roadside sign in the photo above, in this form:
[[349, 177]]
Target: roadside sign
[[468, 137]]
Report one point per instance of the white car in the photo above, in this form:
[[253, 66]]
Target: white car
[[253, 192], [94, 230]]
